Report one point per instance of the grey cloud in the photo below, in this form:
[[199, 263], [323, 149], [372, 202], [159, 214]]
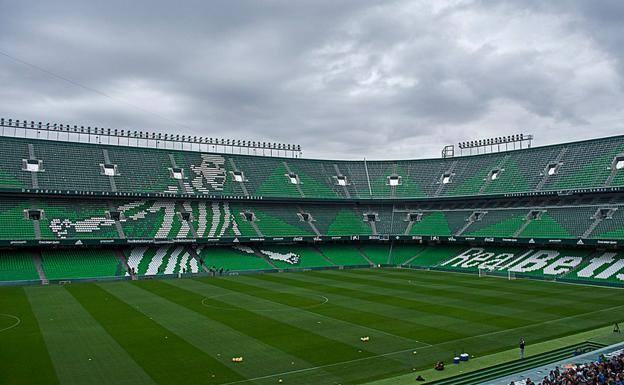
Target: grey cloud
[[345, 79]]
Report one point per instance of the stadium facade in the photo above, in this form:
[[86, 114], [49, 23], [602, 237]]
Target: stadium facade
[[93, 211]]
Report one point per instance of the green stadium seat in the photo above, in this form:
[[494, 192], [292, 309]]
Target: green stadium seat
[[77, 167], [17, 266], [81, 263]]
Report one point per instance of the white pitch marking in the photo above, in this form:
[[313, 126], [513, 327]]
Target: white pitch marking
[[17, 322], [412, 349], [554, 280], [320, 367], [319, 315]]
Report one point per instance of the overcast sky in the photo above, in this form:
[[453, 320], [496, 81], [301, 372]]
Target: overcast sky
[[344, 79]]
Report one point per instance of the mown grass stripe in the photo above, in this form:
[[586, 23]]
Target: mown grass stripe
[[308, 346], [81, 350], [417, 322], [212, 337], [495, 304], [376, 320], [477, 311], [344, 368], [431, 312], [338, 370], [546, 302], [497, 340], [527, 309], [516, 287], [24, 358], [391, 305], [454, 280], [167, 358], [486, 302], [255, 325], [326, 318], [435, 280], [544, 298]]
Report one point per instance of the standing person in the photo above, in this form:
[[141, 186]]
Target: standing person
[[522, 344]]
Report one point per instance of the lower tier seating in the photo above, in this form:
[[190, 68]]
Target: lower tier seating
[[378, 254], [232, 258], [575, 265], [432, 256], [344, 255], [162, 260], [81, 263], [294, 256], [403, 253], [17, 266], [580, 265]]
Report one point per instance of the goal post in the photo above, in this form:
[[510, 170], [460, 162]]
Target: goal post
[[492, 272]]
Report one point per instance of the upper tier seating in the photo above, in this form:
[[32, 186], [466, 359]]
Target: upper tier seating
[[166, 219], [79, 168]]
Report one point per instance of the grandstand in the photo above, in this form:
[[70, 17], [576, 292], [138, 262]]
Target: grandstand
[[74, 211], [108, 170]]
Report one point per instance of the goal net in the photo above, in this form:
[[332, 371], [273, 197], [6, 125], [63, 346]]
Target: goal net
[[491, 272]]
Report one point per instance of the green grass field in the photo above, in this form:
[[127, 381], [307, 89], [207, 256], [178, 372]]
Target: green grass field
[[302, 328]]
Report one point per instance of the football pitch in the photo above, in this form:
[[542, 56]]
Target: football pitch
[[322, 327]]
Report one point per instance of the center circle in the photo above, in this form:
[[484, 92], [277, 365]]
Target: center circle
[[322, 301], [11, 322]]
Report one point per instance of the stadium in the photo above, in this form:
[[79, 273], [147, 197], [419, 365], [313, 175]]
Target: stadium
[[138, 258]]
